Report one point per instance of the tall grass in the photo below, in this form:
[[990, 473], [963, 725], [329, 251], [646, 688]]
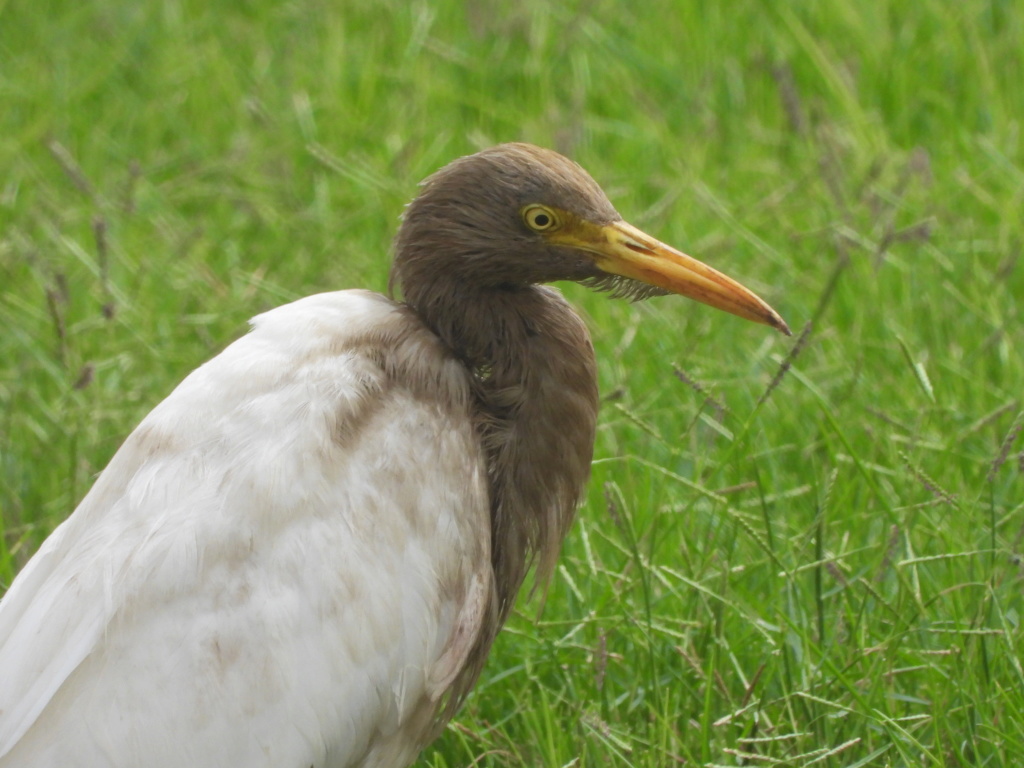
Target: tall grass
[[809, 559]]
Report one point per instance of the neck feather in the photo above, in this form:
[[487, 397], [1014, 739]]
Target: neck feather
[[536, 387]]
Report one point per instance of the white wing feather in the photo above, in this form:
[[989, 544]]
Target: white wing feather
[[284, 564]]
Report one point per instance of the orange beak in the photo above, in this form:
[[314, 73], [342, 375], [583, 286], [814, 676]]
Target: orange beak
[[622, 249]]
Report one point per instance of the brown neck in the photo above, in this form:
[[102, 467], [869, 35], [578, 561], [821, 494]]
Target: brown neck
[[536, 385]]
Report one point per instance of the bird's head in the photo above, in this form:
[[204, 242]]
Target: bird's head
[[516, 215]]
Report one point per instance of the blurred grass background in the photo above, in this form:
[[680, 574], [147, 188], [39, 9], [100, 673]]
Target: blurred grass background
[[822, 569]]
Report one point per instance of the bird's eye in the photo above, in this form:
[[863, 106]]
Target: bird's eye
[[539, 219]]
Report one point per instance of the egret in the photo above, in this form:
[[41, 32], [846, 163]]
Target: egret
[[303, 555]]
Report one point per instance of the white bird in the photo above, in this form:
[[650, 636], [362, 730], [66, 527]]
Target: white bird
[[302, 556]]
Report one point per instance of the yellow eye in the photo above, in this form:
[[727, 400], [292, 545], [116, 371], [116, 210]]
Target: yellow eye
[[539, 218]]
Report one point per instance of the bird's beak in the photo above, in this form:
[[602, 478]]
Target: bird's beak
[[622, 249]]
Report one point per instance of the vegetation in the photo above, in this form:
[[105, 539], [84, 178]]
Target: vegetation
[[792, 554]]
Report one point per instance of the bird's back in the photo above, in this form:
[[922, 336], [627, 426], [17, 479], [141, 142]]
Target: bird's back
[[286, 563]]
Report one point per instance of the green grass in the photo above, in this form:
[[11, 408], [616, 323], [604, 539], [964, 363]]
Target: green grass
[[828, 574]]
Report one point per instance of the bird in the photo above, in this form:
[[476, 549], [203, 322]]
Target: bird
[[303, 555]]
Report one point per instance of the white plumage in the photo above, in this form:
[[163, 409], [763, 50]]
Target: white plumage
[[263, 549]]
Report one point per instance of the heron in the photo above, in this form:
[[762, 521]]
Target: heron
[[302, 556]]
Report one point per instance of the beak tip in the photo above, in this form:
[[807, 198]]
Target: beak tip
[[770, 317]]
